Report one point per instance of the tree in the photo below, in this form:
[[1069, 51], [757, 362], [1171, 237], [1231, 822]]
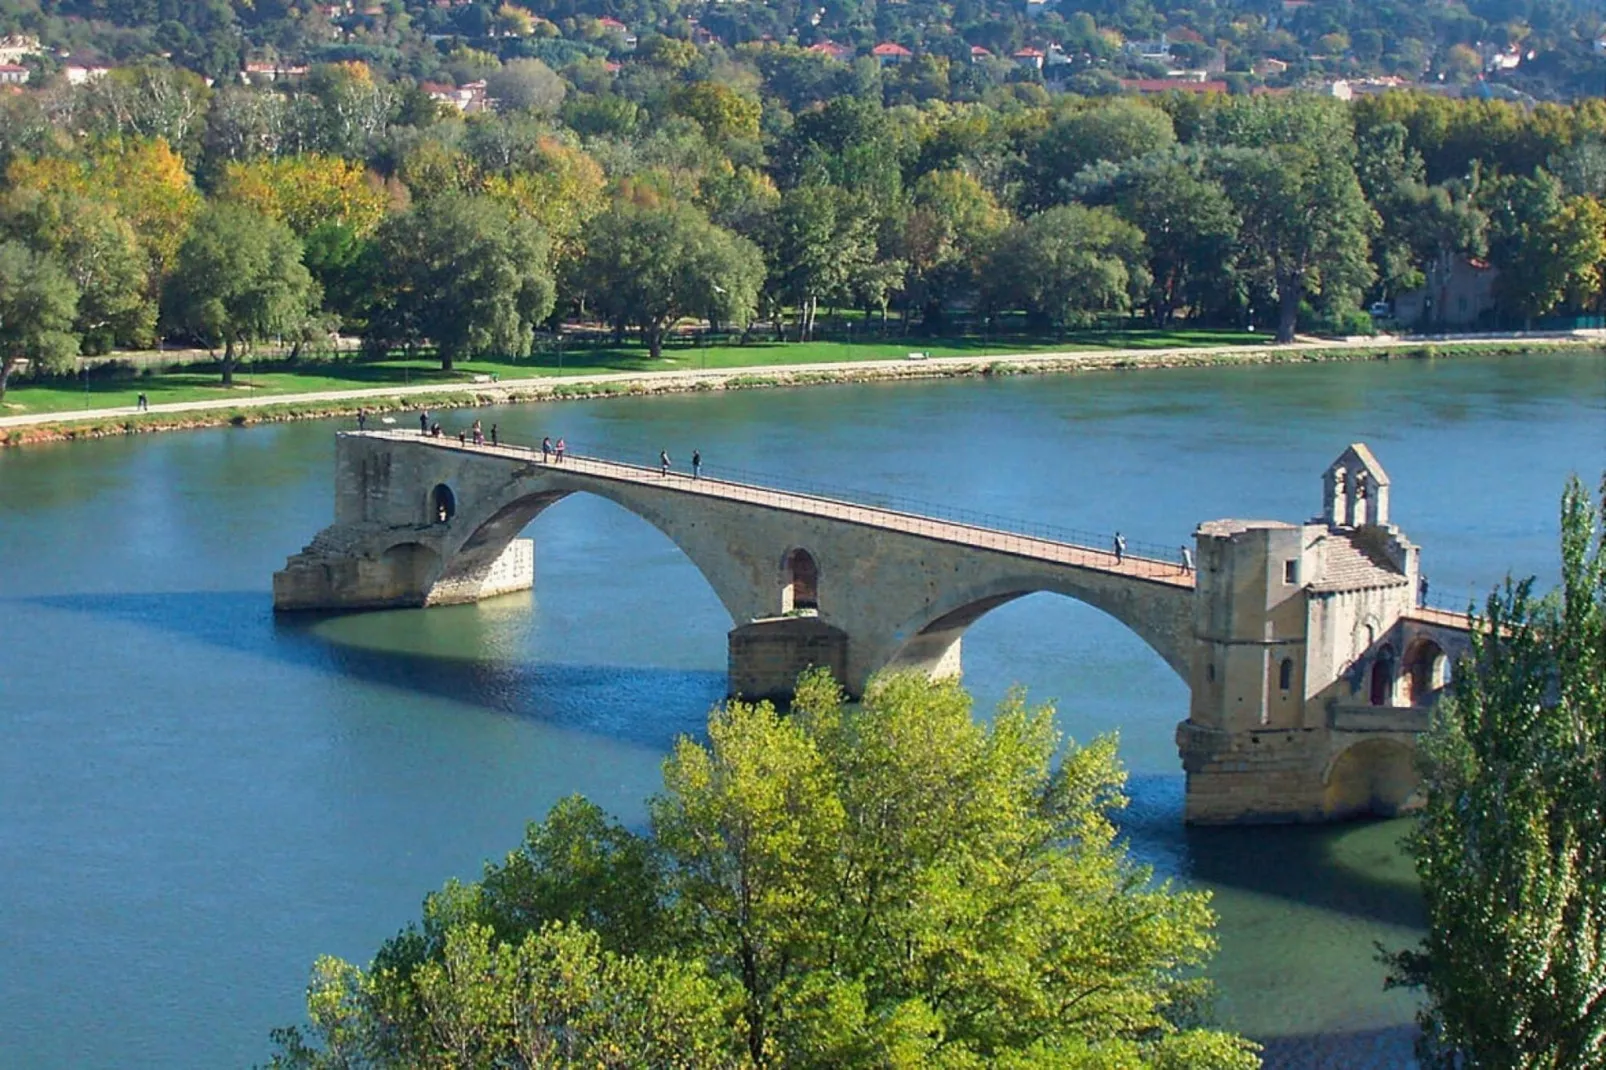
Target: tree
[[461, 272], [945, 235], [526, 85], [724, 114], [651, 265], [239, 280], [1546, 245], [307, 192], [1511, 848], [1067, 264], [554, 998], [145, 180], [37, 305], [101, 255], [817, 242], [892, 885], [1190, 230], [1116, 132], [1305, 225]]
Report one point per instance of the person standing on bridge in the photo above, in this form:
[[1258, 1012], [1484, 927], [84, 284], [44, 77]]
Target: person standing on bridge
[[546, 449], [479, 434], [663, 463], [561, 446], [1422, 587], [423, 421], [696, 463], [362, 418], [1120, 548], [493, 434], [1187, 559]]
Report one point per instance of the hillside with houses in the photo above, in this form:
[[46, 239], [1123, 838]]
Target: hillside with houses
[[1507, 49]]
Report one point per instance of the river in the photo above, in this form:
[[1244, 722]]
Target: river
[[196, 799]]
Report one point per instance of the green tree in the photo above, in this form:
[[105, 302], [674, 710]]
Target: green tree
[[818, 241], [1545, 244], [945, 235], [239, 280], [892, 885], [1511, 848], [1114, 132], [1305, 226], [650, 265], [101, 255], [526, 85], [37, 304], [1190, 230], [463, 273], [1066, 265], [552, 999]]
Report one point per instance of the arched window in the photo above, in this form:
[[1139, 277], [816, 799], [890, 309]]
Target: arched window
[[802, 583], [1426, 669], [1285, 674], [442, 504], [1383, 678]]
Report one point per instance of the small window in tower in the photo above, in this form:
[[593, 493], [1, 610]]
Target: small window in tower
[[1291, 571], [1285, 674], [1210, 672]]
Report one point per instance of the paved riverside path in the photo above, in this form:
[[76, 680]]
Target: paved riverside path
[[957, 532], [670, 379]]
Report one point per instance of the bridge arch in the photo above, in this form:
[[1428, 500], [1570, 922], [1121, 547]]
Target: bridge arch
[[483, 529], [1157, 613], [1374, 777]]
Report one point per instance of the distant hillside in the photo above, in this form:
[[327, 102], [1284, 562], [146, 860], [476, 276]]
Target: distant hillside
[[1547, 48]]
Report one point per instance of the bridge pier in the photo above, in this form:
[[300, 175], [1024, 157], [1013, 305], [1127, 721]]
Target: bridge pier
[[767, 656], [334, 574]]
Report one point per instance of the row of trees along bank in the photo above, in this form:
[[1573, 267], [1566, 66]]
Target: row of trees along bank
[[232, 217]]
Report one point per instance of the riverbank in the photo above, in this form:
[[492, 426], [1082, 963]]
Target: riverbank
[[35, 428]]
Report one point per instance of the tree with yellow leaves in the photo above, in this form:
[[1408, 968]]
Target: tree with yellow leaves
[[307, 192]]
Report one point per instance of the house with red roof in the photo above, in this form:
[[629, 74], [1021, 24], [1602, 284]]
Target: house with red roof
[[978, 53], [890, 54], [1030, 57]]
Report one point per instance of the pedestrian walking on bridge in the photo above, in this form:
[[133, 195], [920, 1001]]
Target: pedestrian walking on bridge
[[663, 462], [1120, 548], [1187, 559], [696, 463], [558, 450]]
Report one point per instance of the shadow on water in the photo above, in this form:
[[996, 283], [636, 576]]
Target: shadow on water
[[639, 705], [1297, 863], [1389, 1046]]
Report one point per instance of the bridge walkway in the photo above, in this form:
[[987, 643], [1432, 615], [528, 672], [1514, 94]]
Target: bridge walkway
[[1135, 566]]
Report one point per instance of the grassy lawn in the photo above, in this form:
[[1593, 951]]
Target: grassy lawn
[[200, 382]]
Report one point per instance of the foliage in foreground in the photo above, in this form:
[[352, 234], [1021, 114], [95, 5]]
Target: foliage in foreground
[[1512, 845], [892, 886]]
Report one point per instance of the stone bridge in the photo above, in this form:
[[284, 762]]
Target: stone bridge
[[1309, 662]]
